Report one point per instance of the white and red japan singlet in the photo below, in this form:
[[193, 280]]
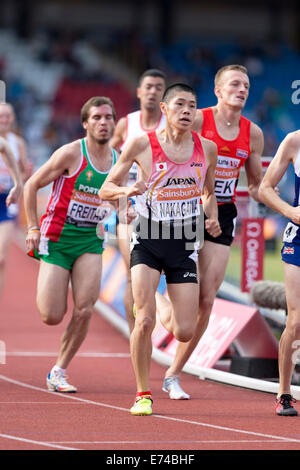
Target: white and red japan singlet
[[174, 189]]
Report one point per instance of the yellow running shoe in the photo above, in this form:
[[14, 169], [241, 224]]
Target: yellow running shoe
[[142, 406]]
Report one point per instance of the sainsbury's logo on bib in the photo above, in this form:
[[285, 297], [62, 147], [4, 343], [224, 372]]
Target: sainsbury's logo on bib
[[161, 166]]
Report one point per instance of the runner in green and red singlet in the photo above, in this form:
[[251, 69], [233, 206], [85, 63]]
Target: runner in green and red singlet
[[66, 241]]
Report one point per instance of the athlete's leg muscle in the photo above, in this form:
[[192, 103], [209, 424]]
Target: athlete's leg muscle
[[52, 292], [213, 259], [124, 232], [85, 279], [184, 300], [291, 333], [145, 281]]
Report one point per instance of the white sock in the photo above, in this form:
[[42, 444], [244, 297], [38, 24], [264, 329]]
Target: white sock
[[58, 370]]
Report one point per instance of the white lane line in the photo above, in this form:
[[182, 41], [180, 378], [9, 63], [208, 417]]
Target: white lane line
[[61, 395], [35, 403], [233, 441], [167, 418], [40, 443], [54, 354]]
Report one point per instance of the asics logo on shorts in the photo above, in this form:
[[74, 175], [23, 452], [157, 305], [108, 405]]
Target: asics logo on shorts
[[187, 274]]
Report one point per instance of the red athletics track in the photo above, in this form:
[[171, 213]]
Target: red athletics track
[[97, 418]]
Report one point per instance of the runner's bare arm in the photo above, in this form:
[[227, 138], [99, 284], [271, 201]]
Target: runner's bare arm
[[112, 189], [119, 134], [286, 154], [209, 199], [63, 161], [253, 165], [12, 166], [24, 164]]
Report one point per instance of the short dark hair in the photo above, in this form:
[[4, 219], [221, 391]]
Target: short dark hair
[[152, 73], [174, 88], [96, 101]]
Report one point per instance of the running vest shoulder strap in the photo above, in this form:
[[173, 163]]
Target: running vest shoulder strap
[[197, 140], [155, 145], [85, 153]]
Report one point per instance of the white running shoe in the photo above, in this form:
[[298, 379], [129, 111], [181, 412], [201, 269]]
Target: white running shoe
[[172, 386], [58, 383]]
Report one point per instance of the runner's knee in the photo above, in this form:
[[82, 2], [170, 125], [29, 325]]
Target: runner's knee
[[184, 333], [293, 326], [206, 304], [51, 315], [83, 313], [51, 318], [145, 325]]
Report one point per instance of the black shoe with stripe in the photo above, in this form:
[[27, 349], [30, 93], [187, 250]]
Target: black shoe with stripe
[[284, 405]]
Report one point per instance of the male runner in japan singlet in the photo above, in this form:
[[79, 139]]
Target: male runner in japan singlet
[[171, 210], [176, 168]]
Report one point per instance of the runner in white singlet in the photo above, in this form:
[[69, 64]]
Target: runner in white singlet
[[9, 209], [148, 118]]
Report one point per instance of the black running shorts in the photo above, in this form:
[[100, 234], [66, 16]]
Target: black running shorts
[[227, 214], [172, 256]]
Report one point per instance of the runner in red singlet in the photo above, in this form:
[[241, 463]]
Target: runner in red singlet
[[176, 173], [240, 142]]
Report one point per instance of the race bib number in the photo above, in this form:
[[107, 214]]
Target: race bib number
[[104, 211], [290, 232], [83, 209], [178, 203], [178, 210], [226, 175]]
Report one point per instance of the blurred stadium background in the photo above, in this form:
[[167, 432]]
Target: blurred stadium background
[[56, 54]]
